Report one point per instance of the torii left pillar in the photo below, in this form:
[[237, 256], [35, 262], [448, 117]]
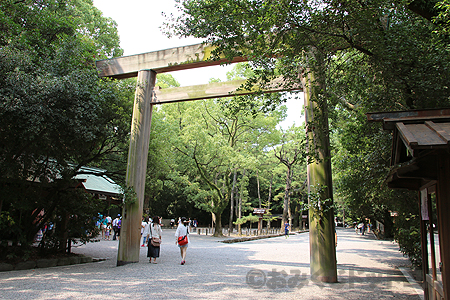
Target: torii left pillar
[[130, 233]]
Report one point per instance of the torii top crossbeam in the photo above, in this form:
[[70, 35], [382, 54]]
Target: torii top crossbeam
[[162, 61], [182, 58]]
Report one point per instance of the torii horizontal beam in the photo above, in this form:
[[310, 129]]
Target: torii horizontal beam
[[162, 61], [216, 90], [182, 58]]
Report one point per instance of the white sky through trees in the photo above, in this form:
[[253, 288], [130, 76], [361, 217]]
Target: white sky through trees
[[139, 23]]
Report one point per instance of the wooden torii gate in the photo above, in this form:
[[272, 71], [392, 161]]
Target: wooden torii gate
[[145, 67]]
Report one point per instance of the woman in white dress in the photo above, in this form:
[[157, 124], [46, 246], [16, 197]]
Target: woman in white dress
[[146, 224], [182, 231]]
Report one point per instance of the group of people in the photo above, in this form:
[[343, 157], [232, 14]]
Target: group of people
[[151, 232], [192, 223], [362, 227], [107, 225], [47, 230]]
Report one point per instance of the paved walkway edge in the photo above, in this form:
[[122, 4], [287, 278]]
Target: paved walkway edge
[[413, 282]]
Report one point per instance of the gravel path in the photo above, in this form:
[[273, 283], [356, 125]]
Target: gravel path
[[275, 268]]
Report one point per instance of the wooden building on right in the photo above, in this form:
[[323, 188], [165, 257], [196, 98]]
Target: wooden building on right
[[420, 160]]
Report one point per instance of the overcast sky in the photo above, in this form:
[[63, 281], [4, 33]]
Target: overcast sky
[[138, 22]]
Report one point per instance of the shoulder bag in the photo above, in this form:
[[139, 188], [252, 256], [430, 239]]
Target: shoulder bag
[[183, 240], [155, 241]]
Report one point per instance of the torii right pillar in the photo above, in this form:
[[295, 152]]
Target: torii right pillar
[[322, 243]]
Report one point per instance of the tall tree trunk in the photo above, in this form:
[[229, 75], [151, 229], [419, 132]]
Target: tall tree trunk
[[239, 214], [323, 265], [259, 194], [236, 205], [230, 224], [217, 214], [63, 235], [240, 202], [291, 175], [218, 225], [286, 212], [268, 199]]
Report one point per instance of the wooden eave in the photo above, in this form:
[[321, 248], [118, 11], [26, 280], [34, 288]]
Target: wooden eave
[[407, 117], [418, 138], [413, 174]]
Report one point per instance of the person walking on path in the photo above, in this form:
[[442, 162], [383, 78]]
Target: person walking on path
[[182, 233], [286, 229], [115, 226], [104, 223], [195, 224], [119, 225], [146, 233], [154, 240], [108, 232], [143, 224]]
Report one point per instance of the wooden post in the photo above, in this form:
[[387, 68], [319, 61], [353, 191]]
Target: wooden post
[[323, 266], [130, 235], [424, 198], [443, 207]]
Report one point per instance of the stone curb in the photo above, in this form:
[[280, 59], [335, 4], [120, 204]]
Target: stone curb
[[48, 263]]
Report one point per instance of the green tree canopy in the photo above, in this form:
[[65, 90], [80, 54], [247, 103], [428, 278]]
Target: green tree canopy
[[56, 115]]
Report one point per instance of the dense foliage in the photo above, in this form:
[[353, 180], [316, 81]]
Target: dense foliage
[[56, 115]]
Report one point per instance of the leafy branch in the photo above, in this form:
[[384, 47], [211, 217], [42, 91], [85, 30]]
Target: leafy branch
[[317, 201]]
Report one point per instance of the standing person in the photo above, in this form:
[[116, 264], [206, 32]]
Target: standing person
[[182, 231], [146, 233], [144, 224], [115, 226], [98, 222], [195, 224], [286, 229], [119, 225], [155, 232], [104, 222], [108, 232]]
